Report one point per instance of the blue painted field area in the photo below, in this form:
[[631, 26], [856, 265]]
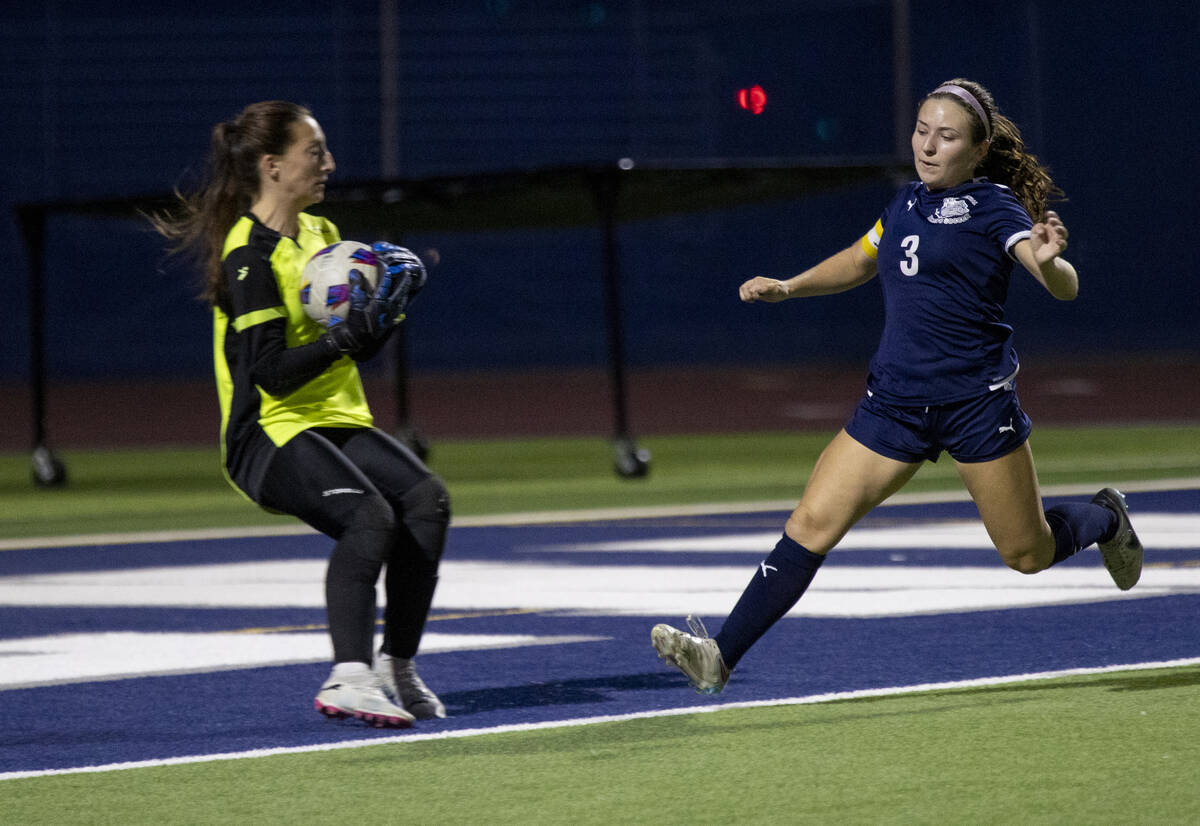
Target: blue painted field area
[[138, 652]]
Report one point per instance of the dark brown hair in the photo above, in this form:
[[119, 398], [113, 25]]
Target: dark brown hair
[[201, 220], [1006, 162]]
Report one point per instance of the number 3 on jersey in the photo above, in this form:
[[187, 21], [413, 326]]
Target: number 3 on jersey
[[910, 264]]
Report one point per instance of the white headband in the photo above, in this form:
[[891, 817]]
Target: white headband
[[969, 99]]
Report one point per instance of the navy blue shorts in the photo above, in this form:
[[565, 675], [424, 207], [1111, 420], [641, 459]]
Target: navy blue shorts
[[979, 429]]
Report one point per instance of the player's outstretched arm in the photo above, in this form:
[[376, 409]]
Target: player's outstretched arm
[[1042, 256], [837, 273]]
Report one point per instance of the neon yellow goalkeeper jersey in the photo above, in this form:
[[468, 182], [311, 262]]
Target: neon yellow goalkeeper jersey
[[263, 320]]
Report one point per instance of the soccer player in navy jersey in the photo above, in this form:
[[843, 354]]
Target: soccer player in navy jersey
[[297, 436], [942, 379]]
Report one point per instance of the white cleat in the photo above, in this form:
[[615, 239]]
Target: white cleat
[[359, 694], [695, 654]]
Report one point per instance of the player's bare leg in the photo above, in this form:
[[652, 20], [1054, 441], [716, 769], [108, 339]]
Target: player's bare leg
[[848, 481], [1009, 500], [1029, 540]]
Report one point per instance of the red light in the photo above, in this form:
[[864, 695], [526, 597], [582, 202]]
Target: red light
[[753, 100]]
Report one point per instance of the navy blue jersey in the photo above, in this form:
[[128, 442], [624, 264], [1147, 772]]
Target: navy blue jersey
[[944, 260]]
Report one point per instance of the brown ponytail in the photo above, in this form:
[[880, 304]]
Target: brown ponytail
[[202, 219], [1006, 161]]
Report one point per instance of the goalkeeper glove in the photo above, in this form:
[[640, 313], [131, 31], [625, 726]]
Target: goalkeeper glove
[[362, 325], [375, 312], [403, 277]]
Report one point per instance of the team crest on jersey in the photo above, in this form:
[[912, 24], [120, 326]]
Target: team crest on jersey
[[953, 211]]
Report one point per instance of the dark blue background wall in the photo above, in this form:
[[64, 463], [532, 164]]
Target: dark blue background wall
[[118, 99]]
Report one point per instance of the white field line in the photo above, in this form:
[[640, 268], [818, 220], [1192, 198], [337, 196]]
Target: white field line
[[553, 517], [639, 590], [64, 659], [612, 718]]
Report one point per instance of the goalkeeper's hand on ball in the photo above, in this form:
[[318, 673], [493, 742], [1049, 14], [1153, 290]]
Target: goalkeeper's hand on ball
[[402, 278], [366, 321], [374, 313]]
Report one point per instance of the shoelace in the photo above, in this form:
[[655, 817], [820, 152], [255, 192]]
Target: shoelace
[[696, 626]]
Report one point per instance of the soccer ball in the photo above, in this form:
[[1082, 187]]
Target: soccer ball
[[326, 282]]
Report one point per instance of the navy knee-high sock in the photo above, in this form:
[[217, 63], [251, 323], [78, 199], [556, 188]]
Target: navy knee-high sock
[[1076, 525], [779, 583]]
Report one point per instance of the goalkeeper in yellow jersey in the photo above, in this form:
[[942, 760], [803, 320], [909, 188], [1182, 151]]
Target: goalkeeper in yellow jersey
[[296, 433]]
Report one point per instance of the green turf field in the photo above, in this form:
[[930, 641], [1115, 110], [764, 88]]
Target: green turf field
[[183, 488], [1109, 748]]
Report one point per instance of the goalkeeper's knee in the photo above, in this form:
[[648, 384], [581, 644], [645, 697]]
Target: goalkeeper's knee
[[425, 509], [370, 529]]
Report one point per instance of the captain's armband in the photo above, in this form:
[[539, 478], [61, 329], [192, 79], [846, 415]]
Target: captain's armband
[[870, 242]]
